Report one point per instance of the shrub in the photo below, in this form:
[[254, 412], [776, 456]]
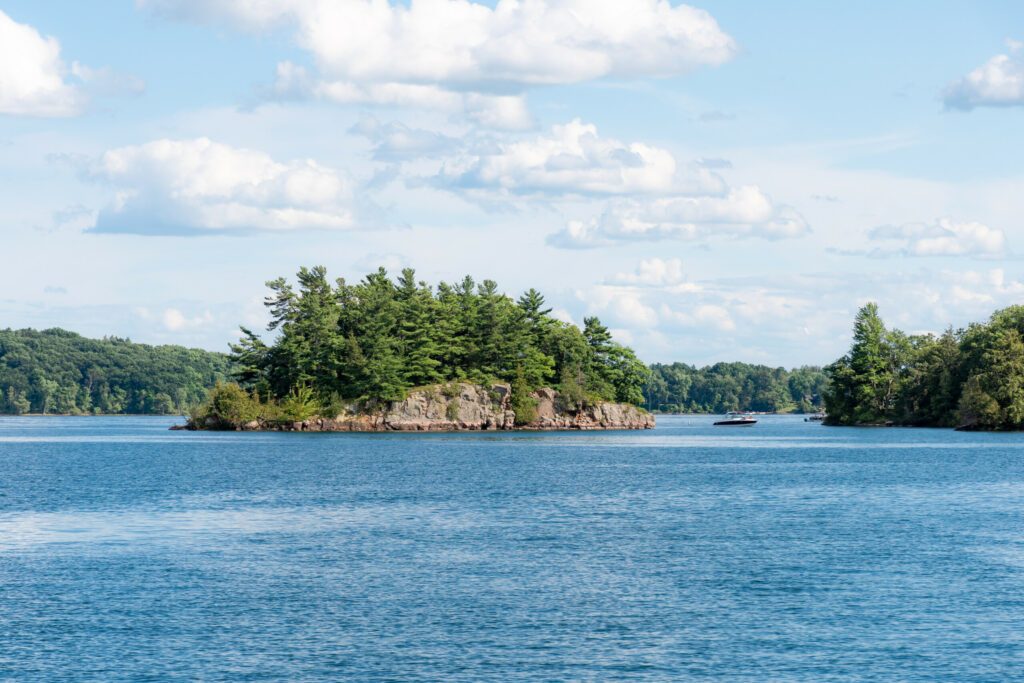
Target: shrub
[[299, 405], [571, 390], [228, 404]]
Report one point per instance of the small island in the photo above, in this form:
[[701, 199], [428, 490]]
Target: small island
[[401, 355]]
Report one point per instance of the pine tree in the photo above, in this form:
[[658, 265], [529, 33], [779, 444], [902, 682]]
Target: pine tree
[[382, 371], [419, 348]]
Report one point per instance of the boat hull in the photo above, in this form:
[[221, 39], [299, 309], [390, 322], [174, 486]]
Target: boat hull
[[735, 423]]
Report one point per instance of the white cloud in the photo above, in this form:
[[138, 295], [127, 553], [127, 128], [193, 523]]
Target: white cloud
[[492, 111], [175, 321], [563, 315], [396, 141], [742, 211], [107, 82], [200, 185], [573, 160], [33, 78], [34, 81], [943, 238], [440, 53], [620, 305], [999, 82], [703, 317], [653, 272]]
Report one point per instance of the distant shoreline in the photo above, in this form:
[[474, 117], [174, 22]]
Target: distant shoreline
[[2, 415]]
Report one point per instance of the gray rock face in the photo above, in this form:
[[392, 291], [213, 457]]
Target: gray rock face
[[463, 406]]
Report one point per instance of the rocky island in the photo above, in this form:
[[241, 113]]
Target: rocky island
[[401, 355], [449, 408]]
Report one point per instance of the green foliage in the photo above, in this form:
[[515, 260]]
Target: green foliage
[[522, 403], [972, 377], [229, 405], [572, 388], [374, 340], [865, 383], [976, 406], [300, 404], [722, 387], [55, 371]]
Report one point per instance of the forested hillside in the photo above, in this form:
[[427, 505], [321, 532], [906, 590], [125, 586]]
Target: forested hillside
[[56, 371], [376, 339], [719, 388], [972, 377]]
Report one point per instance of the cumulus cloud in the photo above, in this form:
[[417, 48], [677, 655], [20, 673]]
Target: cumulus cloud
[[573, 160], [33, 78], [999, 82], [394, 141], [942, 238], [741, 211], [701, 316], [653, 272], [196, 186], [435, 52], [34, 81], [789, 319], [175, 321], [619, 305], [489, 110]]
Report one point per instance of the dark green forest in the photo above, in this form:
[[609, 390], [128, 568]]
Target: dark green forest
[[56, 371], [971, 377], [374, 340], [719, 388]]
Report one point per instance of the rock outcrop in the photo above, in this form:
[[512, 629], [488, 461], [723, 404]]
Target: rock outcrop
[[463, 406]]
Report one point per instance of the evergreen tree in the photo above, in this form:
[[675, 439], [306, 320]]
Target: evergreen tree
[[382, 372], [864, 382], [419, 348]]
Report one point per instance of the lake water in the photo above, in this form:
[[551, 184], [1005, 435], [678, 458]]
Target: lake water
[[784, 552]]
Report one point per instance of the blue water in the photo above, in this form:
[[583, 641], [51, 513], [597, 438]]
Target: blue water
[[784, 552]]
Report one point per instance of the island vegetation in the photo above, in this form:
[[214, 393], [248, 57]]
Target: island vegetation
[[719, 388], [374, 341], [971, 378], [56, 371]]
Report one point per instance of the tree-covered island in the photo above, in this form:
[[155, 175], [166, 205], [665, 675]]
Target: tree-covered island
[[971, 378], [452, 355]]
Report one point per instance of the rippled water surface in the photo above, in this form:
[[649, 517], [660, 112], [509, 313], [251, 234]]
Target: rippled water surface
[[786, 551]]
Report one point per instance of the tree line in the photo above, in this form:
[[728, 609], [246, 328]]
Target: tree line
[[373, 340], [720, 388], [972, 377], [56, 371]]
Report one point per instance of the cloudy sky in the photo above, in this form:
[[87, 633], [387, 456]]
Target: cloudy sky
[[725, 181]]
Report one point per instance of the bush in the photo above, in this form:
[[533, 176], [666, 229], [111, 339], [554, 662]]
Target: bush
[[299, 405], [572, 392], [228, 404], [336, 406]]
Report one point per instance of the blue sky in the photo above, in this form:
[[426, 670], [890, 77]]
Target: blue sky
[[723, 181]]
